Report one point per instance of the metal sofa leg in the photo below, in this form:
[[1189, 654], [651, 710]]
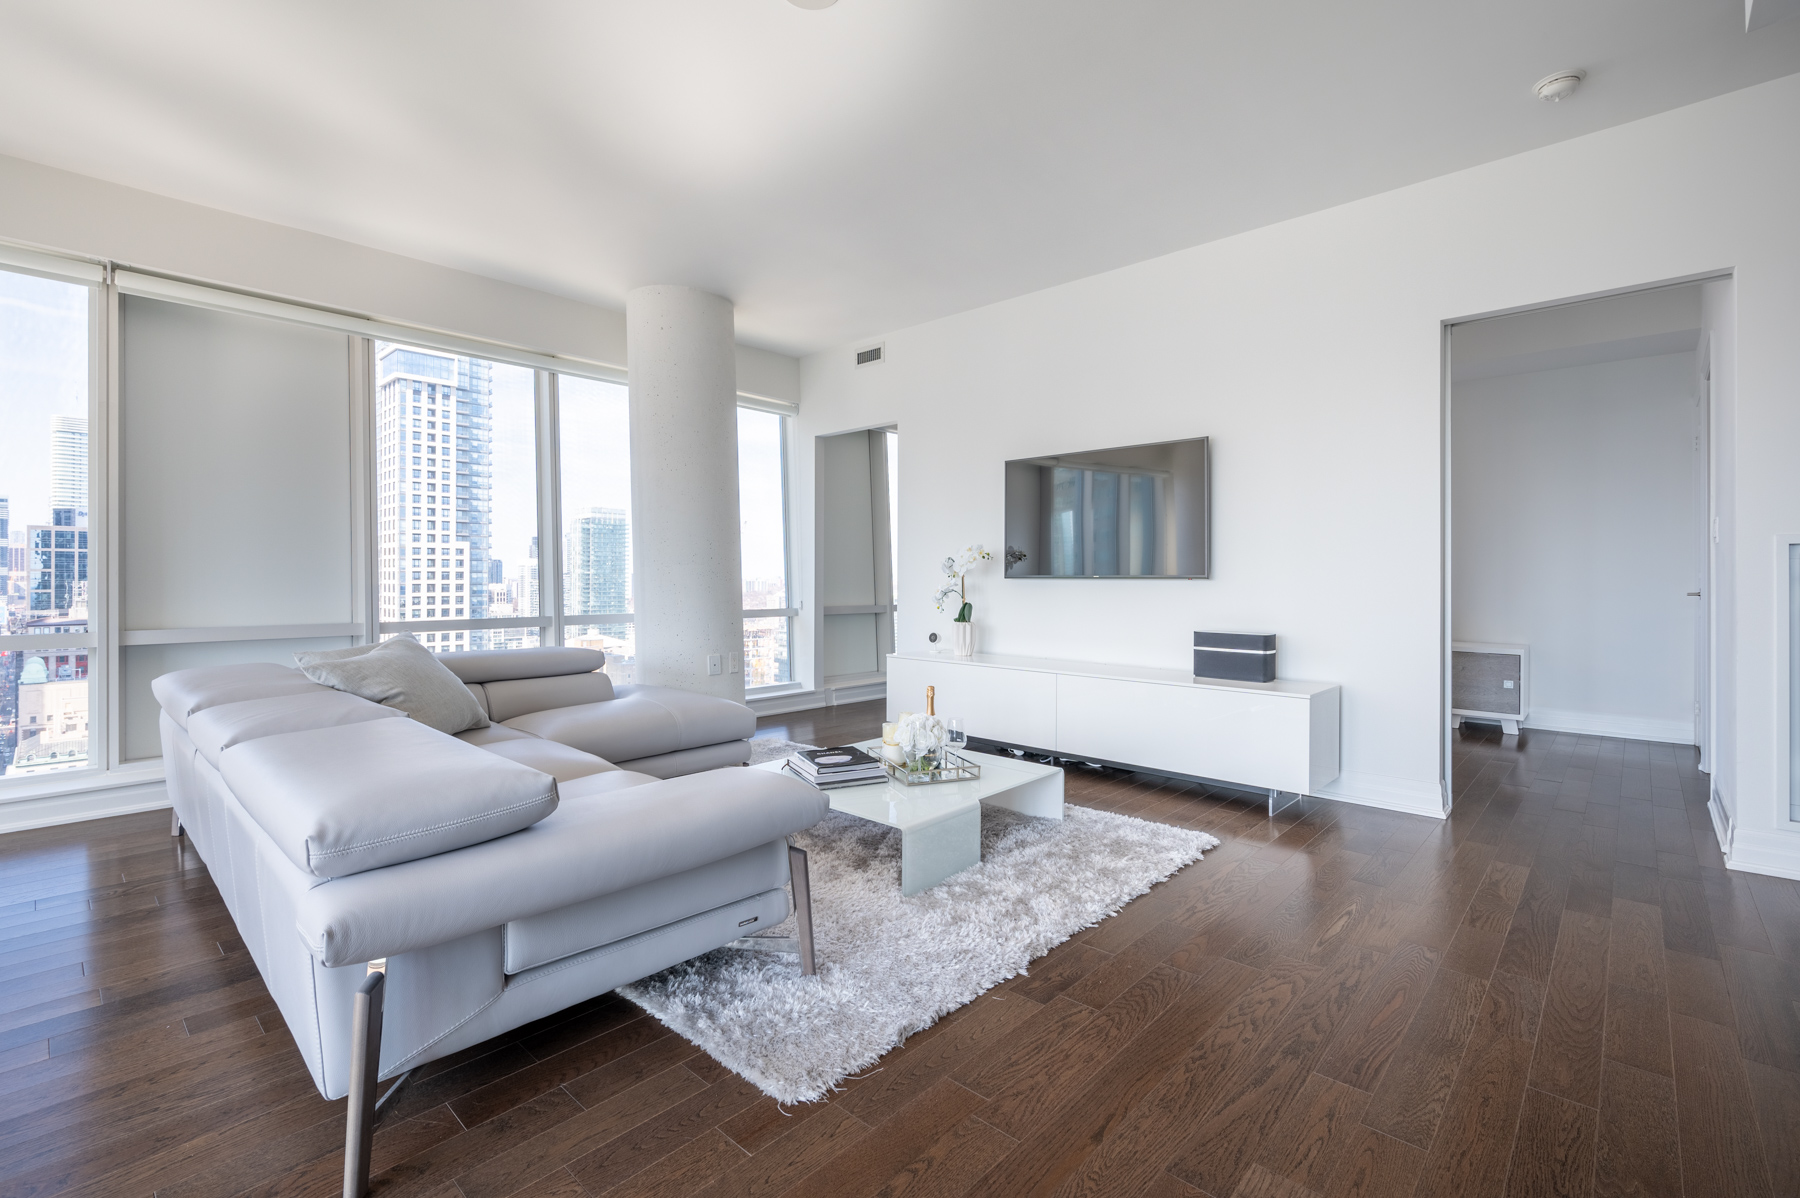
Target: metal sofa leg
[[174, 822], [802, 908], [365, 1069]]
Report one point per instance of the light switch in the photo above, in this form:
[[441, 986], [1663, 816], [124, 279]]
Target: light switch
[[736, 663], [1507, 684], [714, 665]]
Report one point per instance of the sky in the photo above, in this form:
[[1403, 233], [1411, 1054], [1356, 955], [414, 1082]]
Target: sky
[[43, 373]]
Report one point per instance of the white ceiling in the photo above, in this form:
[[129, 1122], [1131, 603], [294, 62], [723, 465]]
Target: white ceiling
[[837, 173]]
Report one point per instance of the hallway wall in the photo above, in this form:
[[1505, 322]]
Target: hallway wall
[[1573, 532]]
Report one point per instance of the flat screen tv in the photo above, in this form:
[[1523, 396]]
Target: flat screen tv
[[1139, 511]]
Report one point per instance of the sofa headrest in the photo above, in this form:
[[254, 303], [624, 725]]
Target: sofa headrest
[[182, 693], [499, 665]]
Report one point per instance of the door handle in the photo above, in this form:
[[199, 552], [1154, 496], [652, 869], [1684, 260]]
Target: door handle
[[1693, 594]]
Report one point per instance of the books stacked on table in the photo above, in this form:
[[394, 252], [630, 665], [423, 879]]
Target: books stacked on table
[[829, 769]]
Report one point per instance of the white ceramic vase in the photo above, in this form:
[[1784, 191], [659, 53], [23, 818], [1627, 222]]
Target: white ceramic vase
[[965, 637]]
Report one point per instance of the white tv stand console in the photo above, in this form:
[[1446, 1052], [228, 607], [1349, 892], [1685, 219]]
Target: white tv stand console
[[1278, 736]]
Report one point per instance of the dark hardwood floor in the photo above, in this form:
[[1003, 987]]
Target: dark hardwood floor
[[1559, 990]]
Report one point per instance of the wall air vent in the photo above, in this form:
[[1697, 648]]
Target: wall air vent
[[870, 356]]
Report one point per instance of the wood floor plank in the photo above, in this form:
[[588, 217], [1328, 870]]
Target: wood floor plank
[[1570, 1041], [1721, 1149], [1410, 1097], [1638, 1152], [1474, 1141], [1637, 1029], [1553, 1151], [1321, 1128], [1061, 1145], [574, 1137], [1776, 1094], [1763, 991], [1376, 1166], [1254, 1093], [1361, 1050], [952, 1165], [871, 1160], [790, 1157], [1024, 1095]]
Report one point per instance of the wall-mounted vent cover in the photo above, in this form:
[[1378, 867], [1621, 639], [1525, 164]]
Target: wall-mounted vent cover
[[870, 356]]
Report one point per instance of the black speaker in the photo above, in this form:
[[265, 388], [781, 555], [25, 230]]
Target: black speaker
[[1235, 656]]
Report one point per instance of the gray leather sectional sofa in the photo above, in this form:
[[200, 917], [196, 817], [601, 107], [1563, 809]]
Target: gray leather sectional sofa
[[580, 842]]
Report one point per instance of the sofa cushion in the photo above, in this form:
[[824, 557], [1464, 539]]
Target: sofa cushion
[[520, 696], [218, 728], [643, 721], [491, 734], [184, 692], [614, 830], [692, 761], [559, 761], [404, 674], [498, 665], [343, 800]]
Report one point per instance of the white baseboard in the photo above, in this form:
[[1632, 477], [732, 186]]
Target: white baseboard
[[1774, 853], [1721, 822], [1625, 727], [42, 811], [1387, 792], [830, 696]]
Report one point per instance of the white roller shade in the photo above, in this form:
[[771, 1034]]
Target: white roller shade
[[235, 469]]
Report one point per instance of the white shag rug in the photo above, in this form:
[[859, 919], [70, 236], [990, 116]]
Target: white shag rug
[[890, 965]]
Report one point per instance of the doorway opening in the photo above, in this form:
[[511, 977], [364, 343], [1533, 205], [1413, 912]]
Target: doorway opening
[[858, 489], [1580, 514]]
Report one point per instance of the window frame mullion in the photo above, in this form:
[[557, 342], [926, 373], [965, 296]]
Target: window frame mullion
[[549, 509]]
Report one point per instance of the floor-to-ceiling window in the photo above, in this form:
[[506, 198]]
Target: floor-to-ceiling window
[[45, 575], [594, 438], [762, 511], [456, 498]]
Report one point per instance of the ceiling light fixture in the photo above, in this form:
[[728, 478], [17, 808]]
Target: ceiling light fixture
[[1559, 86], [812, 3]]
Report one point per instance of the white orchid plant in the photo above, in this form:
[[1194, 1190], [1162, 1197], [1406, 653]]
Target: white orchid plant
[[956, 569]]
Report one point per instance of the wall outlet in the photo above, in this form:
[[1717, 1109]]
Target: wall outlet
[[713, 664]]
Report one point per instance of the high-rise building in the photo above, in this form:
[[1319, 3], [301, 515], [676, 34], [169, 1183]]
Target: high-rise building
[[434, 433], [69, 465], [56, 566], [598, 561]]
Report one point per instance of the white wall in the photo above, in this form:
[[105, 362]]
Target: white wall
[[1574, 518], [1311, 352], [57, 210]]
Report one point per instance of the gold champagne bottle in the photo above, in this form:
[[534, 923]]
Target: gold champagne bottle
[[931, 700]]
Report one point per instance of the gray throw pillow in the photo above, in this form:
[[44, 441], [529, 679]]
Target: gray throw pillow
[[309, 656], [402, 674]]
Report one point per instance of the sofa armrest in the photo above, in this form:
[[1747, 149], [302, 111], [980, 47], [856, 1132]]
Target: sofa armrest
[[598, 841]]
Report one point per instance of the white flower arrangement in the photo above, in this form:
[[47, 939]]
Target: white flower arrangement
[[919, 736], [956, 568]]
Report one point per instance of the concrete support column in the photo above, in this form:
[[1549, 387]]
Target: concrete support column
[[688, 579]]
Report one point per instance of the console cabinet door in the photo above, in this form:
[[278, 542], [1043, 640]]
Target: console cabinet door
[[1248, 738], [1014, 706]]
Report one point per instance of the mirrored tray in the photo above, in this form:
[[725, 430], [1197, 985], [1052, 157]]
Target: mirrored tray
[[952, 767]]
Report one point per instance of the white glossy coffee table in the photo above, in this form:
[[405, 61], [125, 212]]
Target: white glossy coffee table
[[940, 824]]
